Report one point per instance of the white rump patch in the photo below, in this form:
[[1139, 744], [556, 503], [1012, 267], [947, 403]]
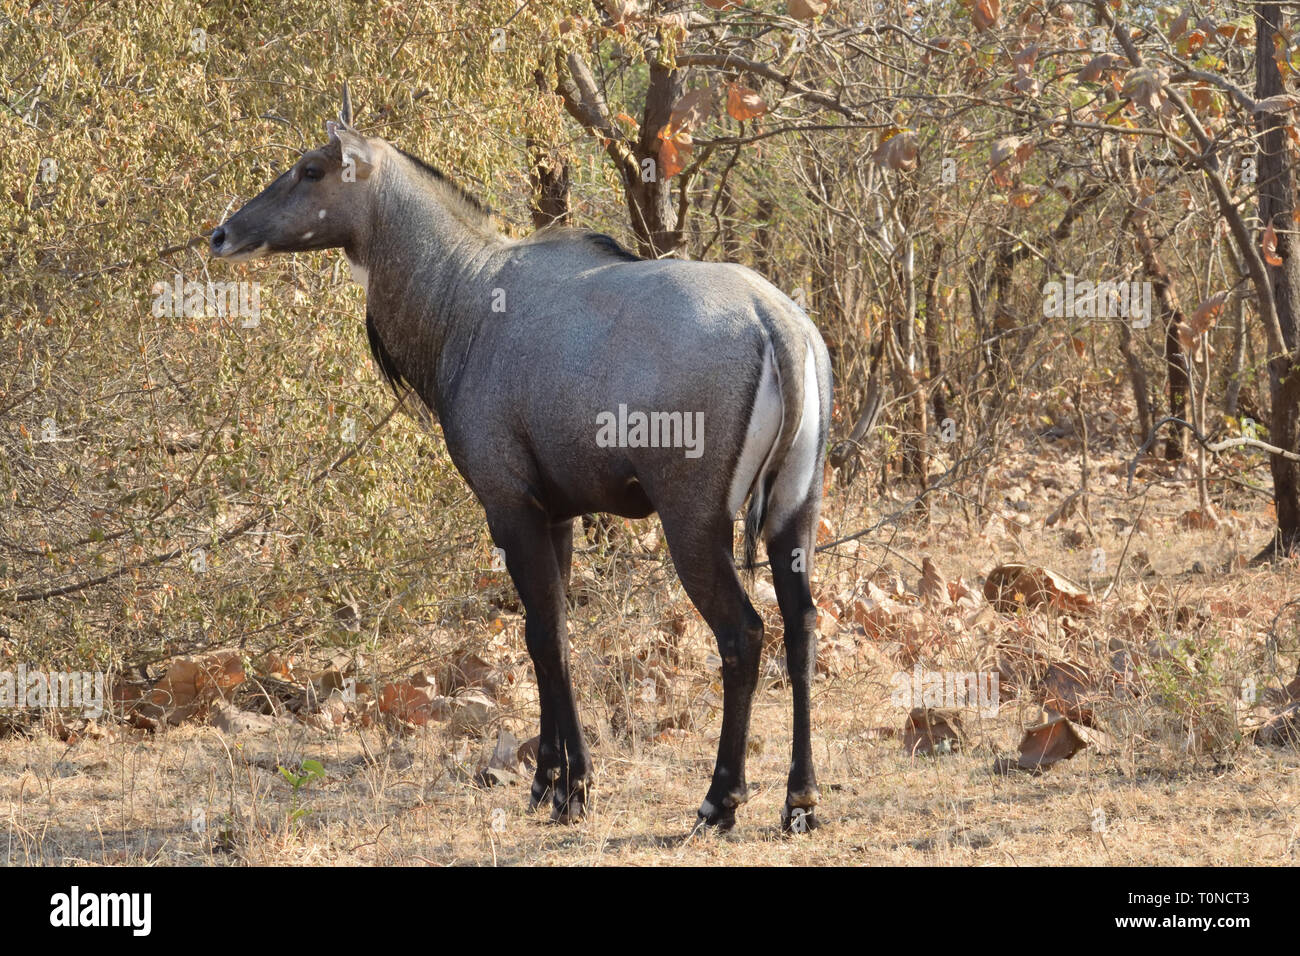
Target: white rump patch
[[796, 476], [765, 420]]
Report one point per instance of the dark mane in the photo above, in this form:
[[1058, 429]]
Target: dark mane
[[387, 367], [610, 246], [443, 178], [605, 245]]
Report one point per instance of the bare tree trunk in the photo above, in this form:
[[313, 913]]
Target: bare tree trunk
[[649, 194], [1167, 297], [1176, 371], [1237, 364], [1276, 202], [727, 215], [933, 320], [764, 260], [550, 177], [1138, 376]]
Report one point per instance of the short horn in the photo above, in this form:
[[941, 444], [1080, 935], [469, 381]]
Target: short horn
[[345, 114]]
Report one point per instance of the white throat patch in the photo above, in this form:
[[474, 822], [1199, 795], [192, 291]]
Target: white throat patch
[[359, 274]]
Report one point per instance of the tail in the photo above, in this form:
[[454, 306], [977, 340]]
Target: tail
[[788, 475], [756, 521]]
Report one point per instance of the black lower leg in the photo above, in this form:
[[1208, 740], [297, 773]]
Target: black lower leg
[[563, 761], [790, 555]]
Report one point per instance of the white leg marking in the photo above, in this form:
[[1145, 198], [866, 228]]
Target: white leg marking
[[796, 477], [765, 420]]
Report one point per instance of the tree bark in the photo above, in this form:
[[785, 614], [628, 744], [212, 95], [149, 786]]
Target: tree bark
[[933, 355], [1276, 201], [549, 176]]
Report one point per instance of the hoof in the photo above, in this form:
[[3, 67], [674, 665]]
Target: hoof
[[798, 820], [572, 809], [540, 792], [720, 816]]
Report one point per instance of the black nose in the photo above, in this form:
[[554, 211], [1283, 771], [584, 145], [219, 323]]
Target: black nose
[[218, 238]]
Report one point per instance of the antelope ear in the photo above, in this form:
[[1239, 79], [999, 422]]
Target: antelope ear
[[358, 152]]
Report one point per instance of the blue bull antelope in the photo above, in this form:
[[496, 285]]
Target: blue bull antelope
[[538, 355]]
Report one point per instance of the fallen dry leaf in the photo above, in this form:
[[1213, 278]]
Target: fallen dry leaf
[[934, 589], [1049, 743], [930, 730], [1282, 729], [1010, 587]]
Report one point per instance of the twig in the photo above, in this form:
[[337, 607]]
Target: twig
[[263, 515], [1214, 447]]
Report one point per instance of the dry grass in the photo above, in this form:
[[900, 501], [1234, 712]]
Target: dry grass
[[133, 802], [1159, 796]]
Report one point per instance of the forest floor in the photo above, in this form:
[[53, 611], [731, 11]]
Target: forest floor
[[1164, 650]]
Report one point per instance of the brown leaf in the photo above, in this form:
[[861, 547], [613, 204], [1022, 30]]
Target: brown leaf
[[1005, 150], [984, 14], [406, 702], [959, 591], [930, 730], [934, 589], [1027, 56], [1269, 244], [191, 685], [897, 150], [690, 111], [1023, 197], [1010, 587], [1198, 520], [1282, 729], [1281, 103], [1049, 743], [470, 713], [1145, 87], [1100, 64], [806, 9], [1069, 689], [722, 4], [825, 531], [1206, 313], [469, 670], [743, 103], [672, 155], [1179, 26], [503, 766]]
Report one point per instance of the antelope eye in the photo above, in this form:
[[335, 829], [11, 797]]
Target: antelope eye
[[312, 173]]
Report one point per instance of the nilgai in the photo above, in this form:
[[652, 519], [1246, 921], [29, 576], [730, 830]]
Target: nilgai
[[571, 376]]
